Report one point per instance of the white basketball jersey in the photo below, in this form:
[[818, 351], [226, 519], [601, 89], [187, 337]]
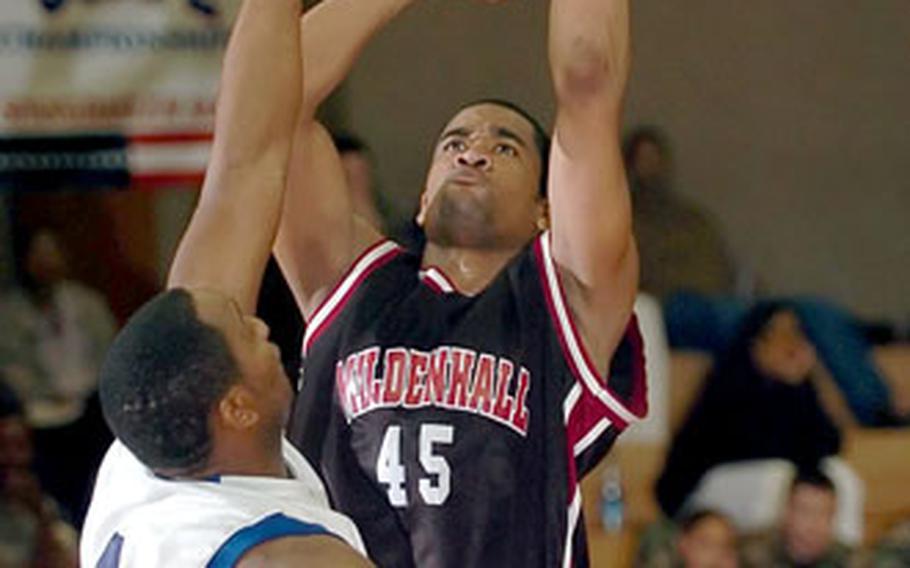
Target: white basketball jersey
[[138, 519]]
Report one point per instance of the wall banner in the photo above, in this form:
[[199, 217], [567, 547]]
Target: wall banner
[[92, 86]]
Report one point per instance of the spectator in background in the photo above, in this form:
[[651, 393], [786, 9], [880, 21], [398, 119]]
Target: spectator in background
[[894, 550], [31, 532], [686, 264], [276, 302], [703, 539], [757, 403], [55, 333], [357, 161], [806, 534], [681, 246]]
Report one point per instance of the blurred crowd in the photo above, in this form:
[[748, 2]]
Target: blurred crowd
[[758, 432], [752, 477]]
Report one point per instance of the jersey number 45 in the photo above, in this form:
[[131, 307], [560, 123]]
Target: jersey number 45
[[434, 489]]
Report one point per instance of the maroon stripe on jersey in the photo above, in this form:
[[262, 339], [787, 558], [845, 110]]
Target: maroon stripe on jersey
[[638, 399], [433, 285], [360, 270], [634, 408], [588, 419]]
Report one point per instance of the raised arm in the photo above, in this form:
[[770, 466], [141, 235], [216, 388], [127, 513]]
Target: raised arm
[[319, 230], [229, 237], [589, 198]]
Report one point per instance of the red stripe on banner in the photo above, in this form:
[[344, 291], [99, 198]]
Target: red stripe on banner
[[168, 179], [171, 137]]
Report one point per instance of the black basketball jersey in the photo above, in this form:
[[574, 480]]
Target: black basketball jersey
[[454, 430]]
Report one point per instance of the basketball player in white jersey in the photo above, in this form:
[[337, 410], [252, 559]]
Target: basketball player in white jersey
[[192, 388]]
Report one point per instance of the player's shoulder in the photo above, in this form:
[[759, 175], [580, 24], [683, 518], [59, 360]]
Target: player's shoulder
[[384, 255], [319, 550]]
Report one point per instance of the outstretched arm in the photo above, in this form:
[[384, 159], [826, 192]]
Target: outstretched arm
[[589, 199], [320, 235], [229, 237]]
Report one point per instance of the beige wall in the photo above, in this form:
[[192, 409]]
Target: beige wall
[[791, 120]]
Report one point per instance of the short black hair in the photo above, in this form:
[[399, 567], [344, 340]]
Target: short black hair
[[813, 478], [346, 142], [163, 374], [9, 401], [641, 135], [541, 136]]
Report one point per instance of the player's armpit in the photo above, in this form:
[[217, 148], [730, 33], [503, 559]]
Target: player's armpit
[[319, 236], [601, 315], [310, 551]]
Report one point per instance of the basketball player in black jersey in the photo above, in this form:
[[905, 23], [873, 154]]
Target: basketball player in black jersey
[[454, 401]]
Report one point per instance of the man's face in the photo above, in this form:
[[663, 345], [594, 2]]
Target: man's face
[[649, 165], [15, 443], [45, 261], [808, 523], [782, 350], [258, 359], [711, 543], [482, 187]]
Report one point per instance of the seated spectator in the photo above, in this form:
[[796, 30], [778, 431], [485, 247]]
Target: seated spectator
[[357, 161], [686, 264], [894, 550], [31, 532], [751, 494], [681, 247], [710, 323], [54, 338], [703, 539], [757, 403], [805, 537]]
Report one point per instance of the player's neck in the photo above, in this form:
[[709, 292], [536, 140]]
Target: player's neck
[[246, 459], [471, 270]]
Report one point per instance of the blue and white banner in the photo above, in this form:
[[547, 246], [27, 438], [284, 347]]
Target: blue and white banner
[[142, 71]]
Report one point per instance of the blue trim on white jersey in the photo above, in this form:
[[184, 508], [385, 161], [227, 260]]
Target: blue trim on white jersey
[[111, 556], [269, 528]]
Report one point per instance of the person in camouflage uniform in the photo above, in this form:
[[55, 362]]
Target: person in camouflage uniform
[[894, 550], [703, 539], [806, 535]]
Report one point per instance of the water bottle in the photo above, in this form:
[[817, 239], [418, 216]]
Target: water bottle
[[611, 500]]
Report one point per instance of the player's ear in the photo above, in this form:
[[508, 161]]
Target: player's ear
[[543, 214], [422, 211], [237, 409]]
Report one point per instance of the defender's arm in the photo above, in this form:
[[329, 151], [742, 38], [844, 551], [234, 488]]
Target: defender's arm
[[231, 232]]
